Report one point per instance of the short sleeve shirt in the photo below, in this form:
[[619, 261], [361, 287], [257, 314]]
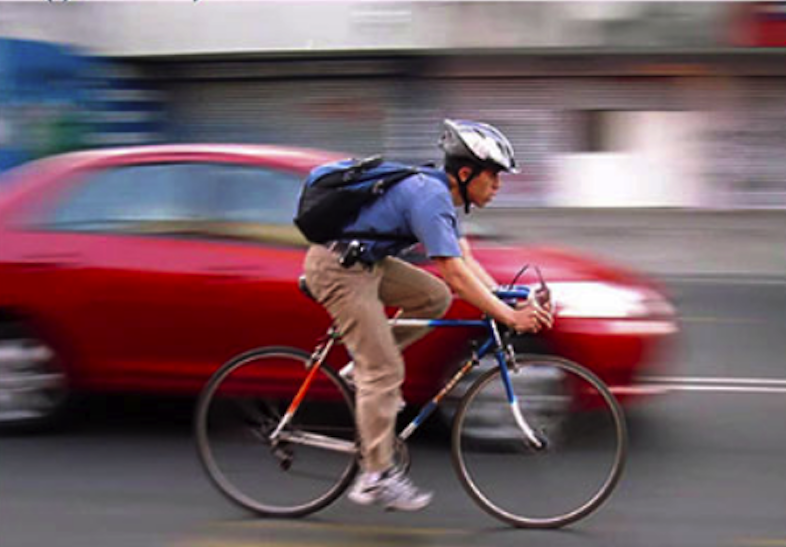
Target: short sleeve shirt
[[420, 206]]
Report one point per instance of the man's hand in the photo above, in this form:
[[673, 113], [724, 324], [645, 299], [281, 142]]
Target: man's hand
[[530, 316]]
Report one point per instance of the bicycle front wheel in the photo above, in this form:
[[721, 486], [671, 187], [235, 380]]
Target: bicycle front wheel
[[570, 409], [314, 458]]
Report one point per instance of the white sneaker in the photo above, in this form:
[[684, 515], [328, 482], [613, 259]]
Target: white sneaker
[[392, 489], [362, 489]]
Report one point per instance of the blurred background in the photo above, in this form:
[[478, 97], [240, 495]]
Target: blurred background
[[651, 134], [657, 106], [685, 99]]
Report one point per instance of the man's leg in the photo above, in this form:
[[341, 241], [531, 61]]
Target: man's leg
[[351, 296], [418, 293]]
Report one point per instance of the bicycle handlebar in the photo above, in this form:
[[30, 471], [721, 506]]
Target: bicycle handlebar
[[511, 294]]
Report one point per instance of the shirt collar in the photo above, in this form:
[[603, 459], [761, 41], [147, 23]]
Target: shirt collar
[[438, 174]]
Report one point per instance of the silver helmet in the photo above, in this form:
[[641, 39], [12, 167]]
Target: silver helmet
[[478, 142]]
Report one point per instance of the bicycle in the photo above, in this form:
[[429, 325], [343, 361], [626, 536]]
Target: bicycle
[[265, 413]]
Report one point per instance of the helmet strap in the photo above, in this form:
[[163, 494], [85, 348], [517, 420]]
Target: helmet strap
[[464, 186]]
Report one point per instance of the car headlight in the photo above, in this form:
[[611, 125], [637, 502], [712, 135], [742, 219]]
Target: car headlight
[[592, 299]]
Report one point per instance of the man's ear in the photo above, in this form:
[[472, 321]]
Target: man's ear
[[464, 173]]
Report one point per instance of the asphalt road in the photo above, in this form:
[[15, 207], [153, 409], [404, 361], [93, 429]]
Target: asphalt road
[[706, 466]]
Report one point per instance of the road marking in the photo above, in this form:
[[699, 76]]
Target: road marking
[[711, 380], [717, 385], [730, 280], [722, 320], [316, 542], [353, 528], [726, 389], [311, 534], [223, 542], [382, 540]]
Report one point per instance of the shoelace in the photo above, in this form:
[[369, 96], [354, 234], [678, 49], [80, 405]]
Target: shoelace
[[401, 484]]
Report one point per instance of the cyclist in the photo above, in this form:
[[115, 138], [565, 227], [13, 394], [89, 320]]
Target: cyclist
[[423, 206]]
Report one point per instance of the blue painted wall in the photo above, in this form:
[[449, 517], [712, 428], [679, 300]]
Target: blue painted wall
[[56, 99]]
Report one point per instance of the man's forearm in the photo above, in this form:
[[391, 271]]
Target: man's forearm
[[481, 273], [477, 269], [458, 274]]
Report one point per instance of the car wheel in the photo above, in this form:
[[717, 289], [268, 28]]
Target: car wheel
[[33, 381]]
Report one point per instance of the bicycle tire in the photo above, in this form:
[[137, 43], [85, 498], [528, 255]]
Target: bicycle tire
[[581, 401], [258, 413]]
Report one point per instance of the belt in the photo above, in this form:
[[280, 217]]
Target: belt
[[341, 247]]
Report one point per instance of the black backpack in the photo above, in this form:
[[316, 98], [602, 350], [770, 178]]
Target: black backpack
[[333, 194]]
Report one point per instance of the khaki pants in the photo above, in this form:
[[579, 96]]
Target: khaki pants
[[356, 298]]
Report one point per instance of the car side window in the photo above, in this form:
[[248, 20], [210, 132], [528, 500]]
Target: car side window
[[115, 199], [255, 194], [196, 200], [255, 204]]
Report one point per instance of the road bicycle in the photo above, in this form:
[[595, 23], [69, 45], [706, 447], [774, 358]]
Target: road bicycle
[[537, 441]]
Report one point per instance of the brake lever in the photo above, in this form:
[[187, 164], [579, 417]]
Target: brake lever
[[542, 294]]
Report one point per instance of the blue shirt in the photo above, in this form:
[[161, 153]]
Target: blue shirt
[[420, 206]]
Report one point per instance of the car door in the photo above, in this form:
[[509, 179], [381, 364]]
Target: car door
[[256, 257], [139, 303], [188, 267]]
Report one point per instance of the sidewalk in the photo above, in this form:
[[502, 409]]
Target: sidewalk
[[662, 242]]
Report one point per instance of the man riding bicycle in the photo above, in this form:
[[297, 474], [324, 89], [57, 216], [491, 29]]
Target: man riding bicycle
[[356, 293]]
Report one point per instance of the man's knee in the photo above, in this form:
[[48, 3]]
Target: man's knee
[[439, 300]]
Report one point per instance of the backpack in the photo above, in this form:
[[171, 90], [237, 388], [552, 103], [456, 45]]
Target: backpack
[[333, 195]]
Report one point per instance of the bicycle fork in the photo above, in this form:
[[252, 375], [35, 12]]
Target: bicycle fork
[[506, 359], [534, 439]]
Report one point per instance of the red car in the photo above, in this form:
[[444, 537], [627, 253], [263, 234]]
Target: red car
[[143, 269]]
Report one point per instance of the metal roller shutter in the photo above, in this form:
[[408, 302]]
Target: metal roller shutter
[[750, 149], [346, 115], [401, 118]]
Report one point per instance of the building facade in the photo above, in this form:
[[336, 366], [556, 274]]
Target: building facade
[[607, 104]]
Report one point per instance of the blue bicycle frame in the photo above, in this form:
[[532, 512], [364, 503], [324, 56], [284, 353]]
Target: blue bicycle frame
[[492, 344]]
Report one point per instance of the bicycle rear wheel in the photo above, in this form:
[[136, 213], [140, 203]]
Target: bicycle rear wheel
[[569, 408], [243, 403]]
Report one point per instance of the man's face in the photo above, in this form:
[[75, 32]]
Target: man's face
[[484, 187]]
